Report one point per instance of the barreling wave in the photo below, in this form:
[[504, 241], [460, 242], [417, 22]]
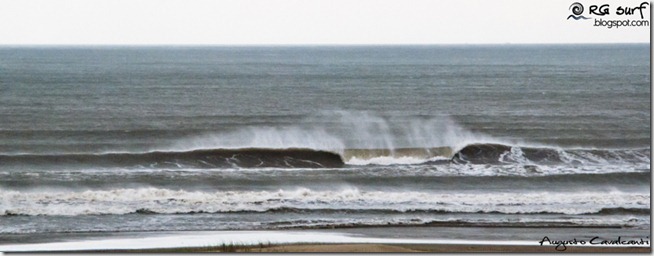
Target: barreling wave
[[502, 154], [395, 156], [313, 158], [241, 158], [168, 201], [214, 158], [359, 138]]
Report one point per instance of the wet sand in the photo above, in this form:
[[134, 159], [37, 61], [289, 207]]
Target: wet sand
[[439, 248], [392, 239], [390, 248]]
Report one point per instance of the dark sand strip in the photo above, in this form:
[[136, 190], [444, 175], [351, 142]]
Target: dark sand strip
[[398, 248]]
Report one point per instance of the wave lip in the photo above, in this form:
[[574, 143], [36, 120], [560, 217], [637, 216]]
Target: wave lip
[[481, 153], [242, 158], [395, 156], [506, 154]]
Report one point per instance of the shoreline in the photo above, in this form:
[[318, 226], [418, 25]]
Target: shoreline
[[380, 247], [363, 240]]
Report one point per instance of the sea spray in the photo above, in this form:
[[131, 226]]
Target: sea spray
[[337, 131]]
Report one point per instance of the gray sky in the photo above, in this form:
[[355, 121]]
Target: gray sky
[[306, 22]]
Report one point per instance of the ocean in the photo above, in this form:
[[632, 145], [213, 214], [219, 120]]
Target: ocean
[[520, 141]]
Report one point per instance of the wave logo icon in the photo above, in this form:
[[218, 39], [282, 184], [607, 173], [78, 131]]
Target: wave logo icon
[[577, 9]]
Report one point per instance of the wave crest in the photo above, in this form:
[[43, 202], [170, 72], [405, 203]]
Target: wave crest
[[314, 158], [503, 154]]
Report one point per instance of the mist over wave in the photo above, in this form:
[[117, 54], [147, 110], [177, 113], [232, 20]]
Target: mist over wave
[[365, 138], [338, 138], [342, 132], [339, 130]]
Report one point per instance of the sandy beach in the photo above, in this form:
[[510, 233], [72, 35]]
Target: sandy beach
[[390, 248], [344, 240], [439, 248]]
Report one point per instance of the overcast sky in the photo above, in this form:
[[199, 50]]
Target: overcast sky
[[306, 22]]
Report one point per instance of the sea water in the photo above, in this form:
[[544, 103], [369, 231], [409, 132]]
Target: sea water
[[105, 140]]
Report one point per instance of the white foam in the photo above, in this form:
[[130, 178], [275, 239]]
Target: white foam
[[390, 160], [515, 155], [123, 201]]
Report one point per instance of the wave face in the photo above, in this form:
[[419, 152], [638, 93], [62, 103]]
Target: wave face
[[218, 158], [312, 158], [395, 156], [333, 140], [502, 154]]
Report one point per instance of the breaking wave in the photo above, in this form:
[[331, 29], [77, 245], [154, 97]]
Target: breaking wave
[[217, 158], [167, 201], [502, 154], [335, 140], [313, 158]]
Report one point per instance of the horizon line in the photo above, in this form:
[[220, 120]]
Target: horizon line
[[315, 45]]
